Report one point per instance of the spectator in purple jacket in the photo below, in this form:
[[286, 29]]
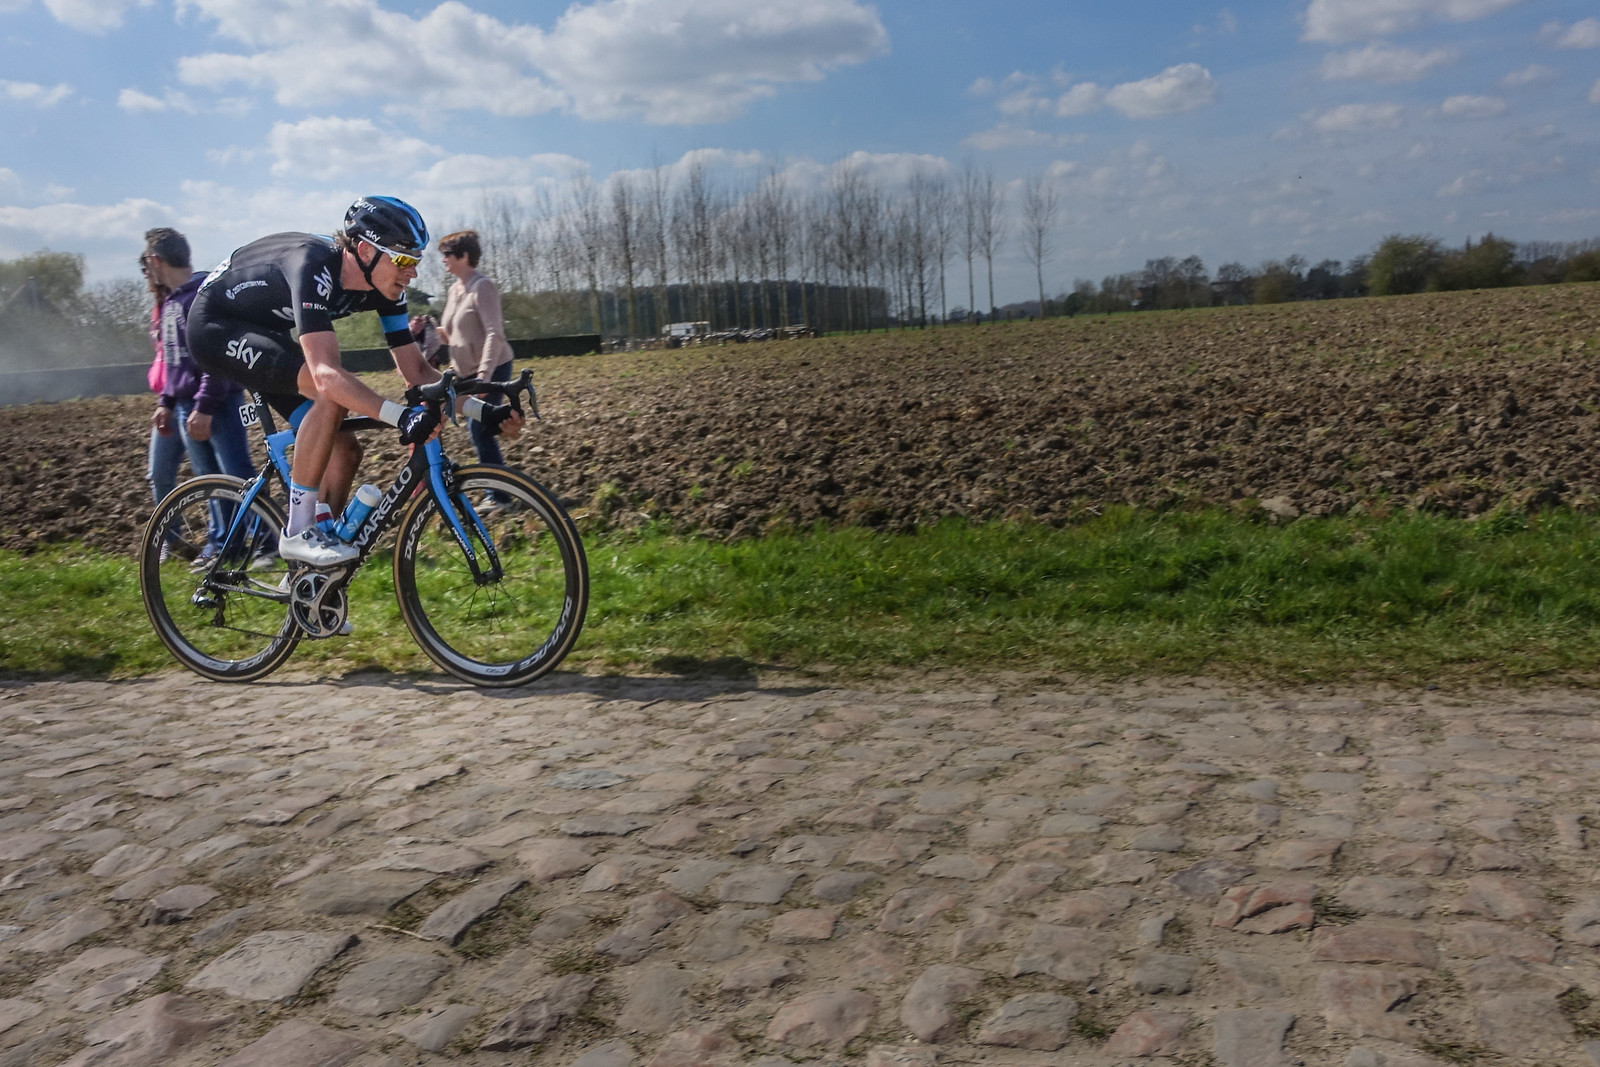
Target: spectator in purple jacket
[[200, 408]]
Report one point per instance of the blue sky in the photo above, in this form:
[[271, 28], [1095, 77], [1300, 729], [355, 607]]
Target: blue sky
[[1240, 132]]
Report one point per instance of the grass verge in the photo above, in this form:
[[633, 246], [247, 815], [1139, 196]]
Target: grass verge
[[1408, 599]]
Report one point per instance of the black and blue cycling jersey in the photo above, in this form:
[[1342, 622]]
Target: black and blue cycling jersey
[[249, 309], [292, 280]]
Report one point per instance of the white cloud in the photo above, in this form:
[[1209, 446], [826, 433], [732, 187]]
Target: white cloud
[[93, 16], [1353, 118], [1175, 90], [135, 101], [1585, 34], [700, 60], [1473, 107], [1532, 74], [666, 61], [1384, 63], [331, 147], [33, 93], [1021, 103], [62, 223], [475, 172], [1081, 99], [1004, 136], [1336, 21]]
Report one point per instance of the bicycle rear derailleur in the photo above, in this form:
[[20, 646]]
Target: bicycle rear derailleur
[[317, 600]]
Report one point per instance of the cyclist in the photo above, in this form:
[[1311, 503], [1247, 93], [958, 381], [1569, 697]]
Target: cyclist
[[239, 328]]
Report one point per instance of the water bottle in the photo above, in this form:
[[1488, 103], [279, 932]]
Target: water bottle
[[356, 512]]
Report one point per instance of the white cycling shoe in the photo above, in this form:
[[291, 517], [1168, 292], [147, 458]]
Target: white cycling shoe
[[315, 548]]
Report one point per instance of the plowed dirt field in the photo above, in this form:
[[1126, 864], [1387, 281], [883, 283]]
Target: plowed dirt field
[[1457, 402]]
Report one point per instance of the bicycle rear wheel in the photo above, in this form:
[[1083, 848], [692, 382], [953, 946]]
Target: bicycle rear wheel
[[505, 631], [216, 614]]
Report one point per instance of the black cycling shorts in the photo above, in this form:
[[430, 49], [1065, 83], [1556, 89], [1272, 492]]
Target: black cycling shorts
[[264, 360]]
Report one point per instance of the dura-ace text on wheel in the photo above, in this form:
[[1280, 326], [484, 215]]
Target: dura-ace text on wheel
[[521, 613], [221, 609]]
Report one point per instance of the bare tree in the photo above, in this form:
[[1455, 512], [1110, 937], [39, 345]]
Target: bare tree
[[778, 221], [625, 240], [845, 213], [991, 220], [588, 230], [921, 209], [654, 235], [1039, 221], [942, 231], [694, 228], [971, 188]]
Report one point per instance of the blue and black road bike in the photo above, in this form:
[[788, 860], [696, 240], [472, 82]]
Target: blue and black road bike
[[489, 570]]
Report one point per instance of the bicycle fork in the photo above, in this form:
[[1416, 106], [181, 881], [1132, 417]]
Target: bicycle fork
[[454, 507]]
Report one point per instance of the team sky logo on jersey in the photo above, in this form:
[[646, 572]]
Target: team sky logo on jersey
[[237, 289], [324, 282], [239, 350], [286, 314]]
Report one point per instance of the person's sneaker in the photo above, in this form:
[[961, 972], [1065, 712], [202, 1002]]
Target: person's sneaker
[[202, 562], [315, 548], [265, 558]]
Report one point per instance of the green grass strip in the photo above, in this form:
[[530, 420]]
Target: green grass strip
[[1408, 599]]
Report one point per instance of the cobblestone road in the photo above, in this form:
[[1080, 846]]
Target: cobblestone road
[[624, 872]]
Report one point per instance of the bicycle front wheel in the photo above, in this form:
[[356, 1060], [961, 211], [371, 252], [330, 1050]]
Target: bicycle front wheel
[[493, 630], [220, 606]]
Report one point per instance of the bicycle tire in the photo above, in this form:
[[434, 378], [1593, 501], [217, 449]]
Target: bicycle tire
[[513, 630], [227, 622]]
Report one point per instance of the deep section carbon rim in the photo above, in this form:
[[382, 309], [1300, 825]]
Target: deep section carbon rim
[[222, 610], [516, 627]]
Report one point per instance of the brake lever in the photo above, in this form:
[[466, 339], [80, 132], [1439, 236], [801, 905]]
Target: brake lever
[[525, 384], [450, 404]]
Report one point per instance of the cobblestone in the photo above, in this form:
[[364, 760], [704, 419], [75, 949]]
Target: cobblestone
[[617, 872]]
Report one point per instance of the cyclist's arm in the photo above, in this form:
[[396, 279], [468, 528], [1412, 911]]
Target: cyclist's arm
[[402, 346], [412, 366], [331, 379]]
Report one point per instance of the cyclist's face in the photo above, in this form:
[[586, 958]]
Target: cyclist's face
[[391, 280]]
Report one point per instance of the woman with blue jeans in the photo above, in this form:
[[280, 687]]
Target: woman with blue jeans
[[196, 409]]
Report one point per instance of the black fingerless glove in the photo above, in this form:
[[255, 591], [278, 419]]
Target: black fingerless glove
[[417, 424]]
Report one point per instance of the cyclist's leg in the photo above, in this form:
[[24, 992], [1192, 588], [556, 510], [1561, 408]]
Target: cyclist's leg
[[343, 462], [314, 442], [274, 363]]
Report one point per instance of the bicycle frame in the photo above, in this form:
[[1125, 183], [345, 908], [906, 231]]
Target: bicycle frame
[[427, 467]]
